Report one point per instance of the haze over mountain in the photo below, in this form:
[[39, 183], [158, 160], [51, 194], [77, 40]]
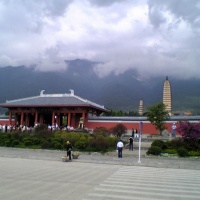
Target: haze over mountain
[[153, 37], [129, 48], [117, 92]]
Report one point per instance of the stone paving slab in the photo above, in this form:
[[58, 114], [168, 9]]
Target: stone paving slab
[[31, 179], [129, 158], [34, 178]]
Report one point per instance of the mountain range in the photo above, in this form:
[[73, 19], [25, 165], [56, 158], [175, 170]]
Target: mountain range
[[117, 92]]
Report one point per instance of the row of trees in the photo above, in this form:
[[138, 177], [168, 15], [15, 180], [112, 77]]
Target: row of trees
[[120, 113]]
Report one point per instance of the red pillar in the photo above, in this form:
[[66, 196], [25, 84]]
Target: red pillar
[[36, 117], [10, 117], [73, 120], [41, 119], [53, 118], [83, 116], [69, 119], [27, 119], [58, 120], [16, 119], [22, 118], [86, 119]]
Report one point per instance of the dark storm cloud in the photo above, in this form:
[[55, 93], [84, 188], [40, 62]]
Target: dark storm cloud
[[183, 9], [156, 17], [105, 2], [153, 37]]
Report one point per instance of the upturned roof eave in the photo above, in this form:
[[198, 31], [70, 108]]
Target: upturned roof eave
[[85, 102], [54, 105]]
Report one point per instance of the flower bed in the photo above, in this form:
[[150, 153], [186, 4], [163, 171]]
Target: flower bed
[[75, 155], [64, 159]]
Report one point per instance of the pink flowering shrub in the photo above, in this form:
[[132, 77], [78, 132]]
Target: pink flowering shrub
[[191, 135], [189, 130]]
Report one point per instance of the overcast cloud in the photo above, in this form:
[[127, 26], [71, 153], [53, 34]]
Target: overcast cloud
[[153, 37]]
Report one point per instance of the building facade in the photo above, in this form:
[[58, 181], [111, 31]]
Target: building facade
[[52, 109]]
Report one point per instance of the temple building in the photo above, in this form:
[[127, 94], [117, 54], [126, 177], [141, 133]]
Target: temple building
[[167, 96], [73, 111], [51, 109]]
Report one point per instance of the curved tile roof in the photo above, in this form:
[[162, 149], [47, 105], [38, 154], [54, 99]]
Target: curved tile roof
[[57, 100], [138, 118]]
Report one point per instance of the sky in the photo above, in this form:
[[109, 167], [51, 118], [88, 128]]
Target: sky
[[153, 37]]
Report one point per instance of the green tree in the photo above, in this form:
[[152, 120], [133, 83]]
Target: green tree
[[101, 131], [121, 113], [118, 130], [157, 115]]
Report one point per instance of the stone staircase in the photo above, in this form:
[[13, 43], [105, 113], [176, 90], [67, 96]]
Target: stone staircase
[[146, 140]]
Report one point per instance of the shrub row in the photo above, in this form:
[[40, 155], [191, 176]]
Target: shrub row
[[180, 146], [45, 139]]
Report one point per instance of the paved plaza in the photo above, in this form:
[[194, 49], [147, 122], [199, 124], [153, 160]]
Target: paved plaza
[[41, 175]]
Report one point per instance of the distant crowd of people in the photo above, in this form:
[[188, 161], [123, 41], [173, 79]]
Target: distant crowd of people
[[12, 128], [55, 127], [135, 133], [5, 128]]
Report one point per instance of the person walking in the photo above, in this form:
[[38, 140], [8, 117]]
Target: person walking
[[136, 134], [133, 133], [120, 147], [130, 144], [174, 130], [69, 149]]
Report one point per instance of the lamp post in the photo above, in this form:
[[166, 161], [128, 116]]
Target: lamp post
[[55, 124], [140, 137]]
